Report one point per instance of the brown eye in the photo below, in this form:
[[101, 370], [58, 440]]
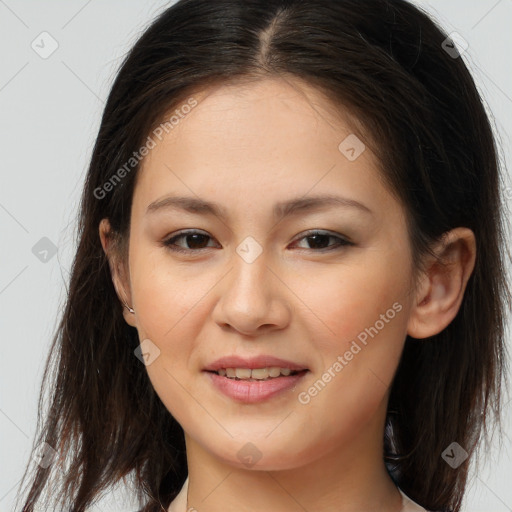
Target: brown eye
[[319, 240], [194, 240]]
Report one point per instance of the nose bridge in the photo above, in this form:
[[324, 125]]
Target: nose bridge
[[252, 295], [249, 281]]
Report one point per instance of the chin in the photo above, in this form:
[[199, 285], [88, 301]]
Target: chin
[[259, 455]]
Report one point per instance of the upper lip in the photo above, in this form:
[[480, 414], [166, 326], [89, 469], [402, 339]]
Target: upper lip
[[261, 361]]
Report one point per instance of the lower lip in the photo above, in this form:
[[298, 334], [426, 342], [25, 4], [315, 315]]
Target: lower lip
[[251, 392]]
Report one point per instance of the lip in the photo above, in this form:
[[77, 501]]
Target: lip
[[261, 361], [251, 392]]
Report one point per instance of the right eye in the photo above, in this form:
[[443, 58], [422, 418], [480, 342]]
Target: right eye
[[193, 239]]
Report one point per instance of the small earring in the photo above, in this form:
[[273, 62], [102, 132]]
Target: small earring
[[132, 311]]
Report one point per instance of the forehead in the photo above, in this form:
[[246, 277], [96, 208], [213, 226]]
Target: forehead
[[262, 108], [268, 139]]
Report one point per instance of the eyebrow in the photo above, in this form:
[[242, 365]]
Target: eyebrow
[[282, 209]]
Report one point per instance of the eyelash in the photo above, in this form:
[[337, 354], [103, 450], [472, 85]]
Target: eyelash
[[342, 242]]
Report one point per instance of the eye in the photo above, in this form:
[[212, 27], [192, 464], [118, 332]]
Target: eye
[[193, 238], [320, 238]]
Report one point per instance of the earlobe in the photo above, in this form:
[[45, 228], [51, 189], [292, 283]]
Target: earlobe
[[442, 288], [116, 272]]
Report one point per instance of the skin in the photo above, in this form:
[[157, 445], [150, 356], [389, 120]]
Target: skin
[[248, 147]]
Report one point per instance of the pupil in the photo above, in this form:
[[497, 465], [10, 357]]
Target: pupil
[[316, 237], [193, 245]]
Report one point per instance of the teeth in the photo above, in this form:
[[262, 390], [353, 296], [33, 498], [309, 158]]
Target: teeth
[[255, 374], [243, 373], [275, 371]]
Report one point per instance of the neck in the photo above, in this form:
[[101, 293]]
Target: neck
[[350, 476]]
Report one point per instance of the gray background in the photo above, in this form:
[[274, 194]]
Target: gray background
[[49, 115]]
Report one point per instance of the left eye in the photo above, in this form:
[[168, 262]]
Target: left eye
[[319, 237], [196, 238]]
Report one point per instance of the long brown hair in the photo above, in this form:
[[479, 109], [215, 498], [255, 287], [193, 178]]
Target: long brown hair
[[388, 63]]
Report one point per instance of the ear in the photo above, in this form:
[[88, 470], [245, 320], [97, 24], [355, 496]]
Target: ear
[[117, 270], [441, 290]]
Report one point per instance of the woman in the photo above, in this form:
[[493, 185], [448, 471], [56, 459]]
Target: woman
[[289, 289]]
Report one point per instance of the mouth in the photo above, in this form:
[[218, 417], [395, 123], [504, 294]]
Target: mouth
[[254, 379], [256, 374], [256, 385]]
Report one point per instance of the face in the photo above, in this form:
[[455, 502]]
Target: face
[[326, 287]]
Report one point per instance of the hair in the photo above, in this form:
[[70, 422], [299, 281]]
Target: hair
[[420, 111]]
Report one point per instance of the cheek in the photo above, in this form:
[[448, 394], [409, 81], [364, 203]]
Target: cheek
[[354, 301], [165, 294], [360, 338], [168, 315], [172, 307], [355, 379]]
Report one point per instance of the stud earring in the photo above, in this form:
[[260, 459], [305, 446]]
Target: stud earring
[[132, 311]]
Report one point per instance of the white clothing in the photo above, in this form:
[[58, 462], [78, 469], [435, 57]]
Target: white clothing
[[179, 504]]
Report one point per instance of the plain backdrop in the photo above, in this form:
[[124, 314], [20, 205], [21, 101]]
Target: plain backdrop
[[50, 111]]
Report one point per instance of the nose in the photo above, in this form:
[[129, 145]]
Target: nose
[[253, 298]]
